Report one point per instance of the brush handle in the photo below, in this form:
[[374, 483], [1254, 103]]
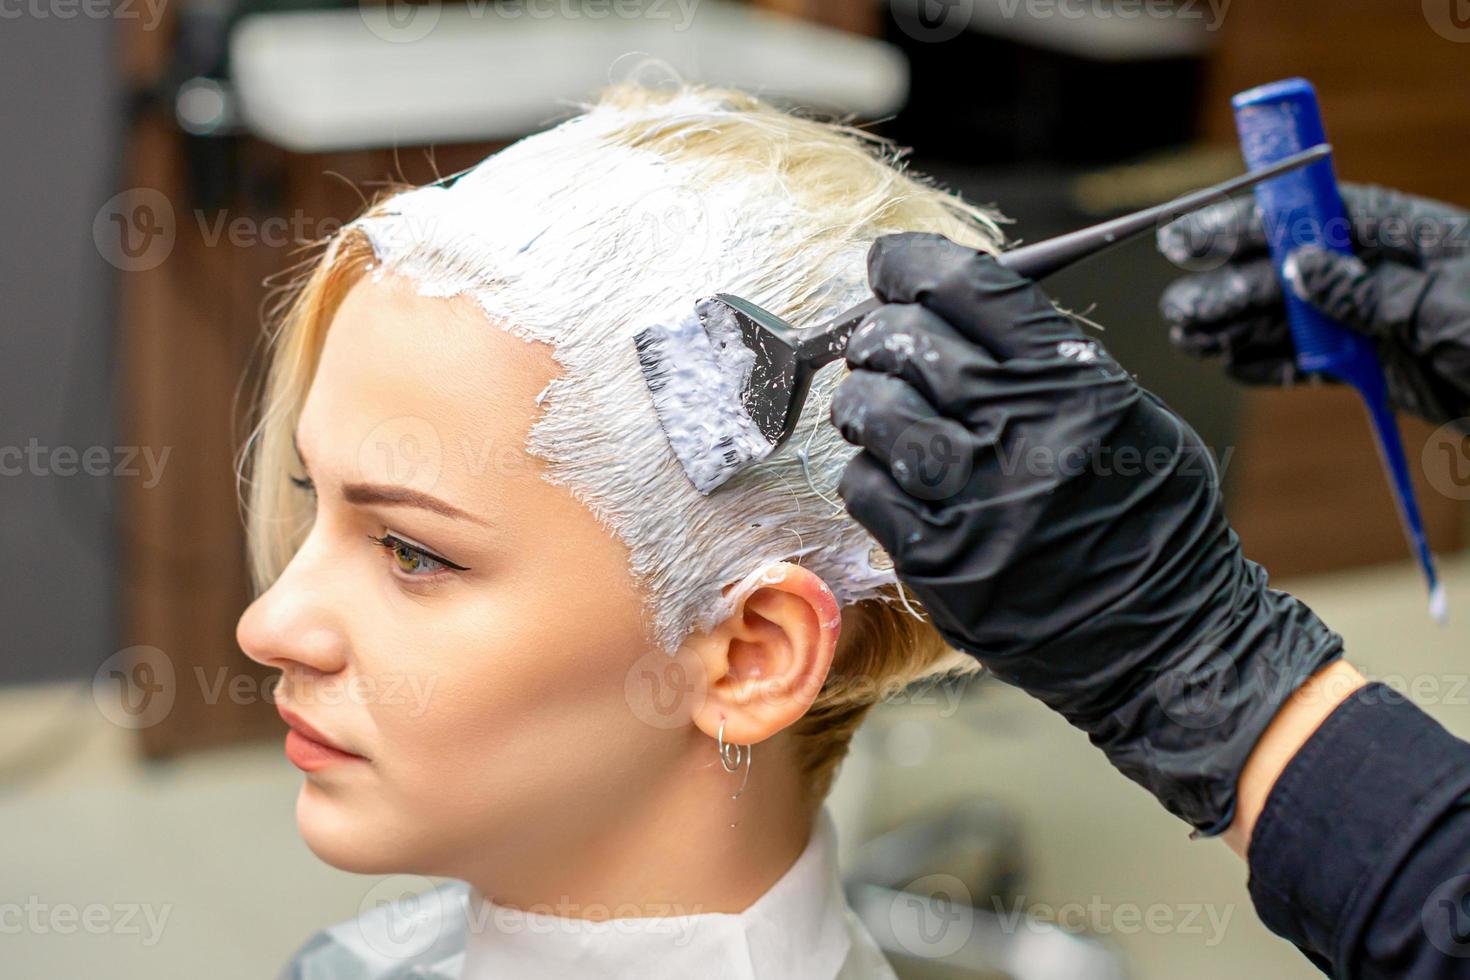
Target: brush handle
[[826, 342], [1055, 254]]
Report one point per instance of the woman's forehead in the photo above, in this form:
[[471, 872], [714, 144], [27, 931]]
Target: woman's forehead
[[416, 389]]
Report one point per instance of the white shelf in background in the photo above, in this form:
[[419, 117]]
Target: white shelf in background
[[350, 79]]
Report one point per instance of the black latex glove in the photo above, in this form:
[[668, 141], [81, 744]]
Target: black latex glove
[[1408, 288], [1063, 525]]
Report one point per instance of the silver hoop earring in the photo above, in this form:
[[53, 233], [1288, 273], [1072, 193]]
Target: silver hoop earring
[[731, 756]]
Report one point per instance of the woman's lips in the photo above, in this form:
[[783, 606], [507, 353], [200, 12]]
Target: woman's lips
[[310, 750]]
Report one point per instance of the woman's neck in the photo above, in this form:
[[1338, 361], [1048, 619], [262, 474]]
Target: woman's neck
[[676, 853]]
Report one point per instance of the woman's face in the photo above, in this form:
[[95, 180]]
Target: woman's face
[[486, 701]]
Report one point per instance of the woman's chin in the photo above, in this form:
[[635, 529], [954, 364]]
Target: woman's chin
[[344, 836]]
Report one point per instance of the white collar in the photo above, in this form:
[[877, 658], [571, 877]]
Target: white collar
[[796, 929]]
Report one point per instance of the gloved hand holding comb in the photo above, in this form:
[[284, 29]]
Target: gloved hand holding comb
[[1408, 288], [1063, 525]]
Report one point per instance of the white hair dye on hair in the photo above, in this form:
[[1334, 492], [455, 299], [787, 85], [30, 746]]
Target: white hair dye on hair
[[624, 216]]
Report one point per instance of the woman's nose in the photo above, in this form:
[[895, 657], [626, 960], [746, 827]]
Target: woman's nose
[[294, 623]]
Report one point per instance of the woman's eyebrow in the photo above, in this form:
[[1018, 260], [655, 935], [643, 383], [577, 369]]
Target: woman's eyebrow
[[378, 493]]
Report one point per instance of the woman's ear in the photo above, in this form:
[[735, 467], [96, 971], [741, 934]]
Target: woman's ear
[[766, 663]]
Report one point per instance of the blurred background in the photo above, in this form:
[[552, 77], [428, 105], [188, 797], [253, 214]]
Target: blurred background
[[166, 159]]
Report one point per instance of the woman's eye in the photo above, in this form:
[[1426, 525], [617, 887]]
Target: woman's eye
[[411, 559], [304, 483]]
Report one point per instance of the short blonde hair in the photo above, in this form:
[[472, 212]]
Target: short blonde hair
[[783, 210]]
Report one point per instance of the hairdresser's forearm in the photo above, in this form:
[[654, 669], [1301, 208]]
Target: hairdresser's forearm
[[1298, 718]]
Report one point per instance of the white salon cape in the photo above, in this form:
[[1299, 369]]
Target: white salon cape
[[801, 929]]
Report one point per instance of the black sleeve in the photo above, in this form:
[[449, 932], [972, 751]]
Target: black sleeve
[[1361, 856]]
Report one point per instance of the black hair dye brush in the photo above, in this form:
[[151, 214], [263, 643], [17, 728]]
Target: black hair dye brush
[[729, 384]]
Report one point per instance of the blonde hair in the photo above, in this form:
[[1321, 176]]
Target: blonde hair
[[772, 206]]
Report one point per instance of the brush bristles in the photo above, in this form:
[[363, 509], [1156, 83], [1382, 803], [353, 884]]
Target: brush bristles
[[696, 392], [651, 359]]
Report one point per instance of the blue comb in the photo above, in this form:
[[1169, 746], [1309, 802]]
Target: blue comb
[[1304, 208]]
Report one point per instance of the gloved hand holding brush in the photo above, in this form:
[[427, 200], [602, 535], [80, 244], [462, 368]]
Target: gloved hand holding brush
[[1064, 525], [1408, 288]]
